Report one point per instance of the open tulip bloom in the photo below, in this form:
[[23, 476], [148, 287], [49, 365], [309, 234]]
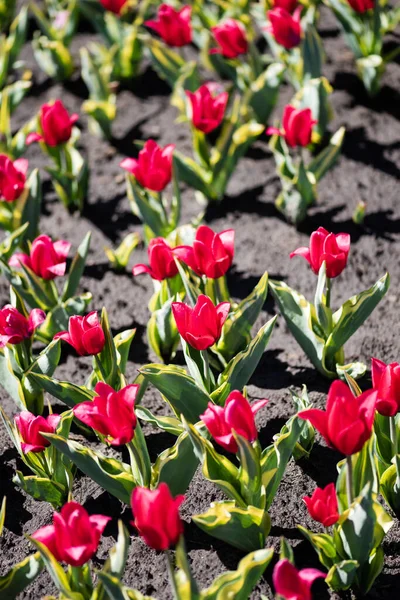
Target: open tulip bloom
[[321, 332]]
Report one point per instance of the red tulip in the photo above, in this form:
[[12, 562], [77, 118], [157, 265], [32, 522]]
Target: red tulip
[[361, 6], [161, 259], [110, 413], [12, 178], [200, 326], [347, 422], [237, 415], [30, 429], [230, 36], [386, 381], [74, 536], [173, 26], [323, 505], [153, 168], [114, 6], [14, 327], [285, 28], [291, 584], [156, 516], [55, 123], [289, 5], [208, 109], [212, 253], [47, 259], [297, 126], [329, 247], [85, 334]]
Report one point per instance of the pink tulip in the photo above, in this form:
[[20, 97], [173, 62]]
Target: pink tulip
[[173, 26], [162, 262], [361, 6], [200, 326], [289, 5], [30, 429], [297, 126], [285, 28], [114, 6], [85, 334], [333, 249], [230, 36], [153, 168], [12, 178], [15, 328], [323, 505], [208, 109], [56, 125], [47, 259], [212, 253], [291, 584], [386, 381]]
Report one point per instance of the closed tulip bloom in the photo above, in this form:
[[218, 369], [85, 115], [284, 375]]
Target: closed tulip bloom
[[347, 422], [230, 36], [85, 334], [236, 416], [291, 584], [297, 126], [361, 6], [114, 6], [162, 263], [323, 505], [47, 259], [207, 108], [56, 125], [331, 248], [156, 516], [212, 253], [285, 28], [74, 536], [111, 413], [386, 381], [289, 5], [31, 428], [15, 327], [153, 167], [200, 326], [173, 26], [12, 178]]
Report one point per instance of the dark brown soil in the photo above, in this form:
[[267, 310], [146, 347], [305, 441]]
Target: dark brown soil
[[368, 170]]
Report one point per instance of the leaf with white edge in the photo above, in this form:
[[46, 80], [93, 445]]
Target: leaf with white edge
[[341, 575], [20, 576], [325, 160], [69, 393], [176, 466], [117, 591], [168, 424], [77, 268]]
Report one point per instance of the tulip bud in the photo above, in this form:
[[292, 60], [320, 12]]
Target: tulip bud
[[333, 249], [230, 36], [114, 6], [347, 422], [323, 505], [386, 381], [236, 416], [85, 334], [55, 124], [111, 413], [162, 262], [207, 109], [361, 6], [12, 178], [173, 26], [291, 584], [156, 516], [47, 259], [285, 28], [74, 536], [297, 126], [30, 429], [212, 253], [153, 168], [14, 327], [200, 326]]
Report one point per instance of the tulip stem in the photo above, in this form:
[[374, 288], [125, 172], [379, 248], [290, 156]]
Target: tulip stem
[[207, 372], [328, 293], [393, 434], [100, 368], [171, 572], [349, 480]]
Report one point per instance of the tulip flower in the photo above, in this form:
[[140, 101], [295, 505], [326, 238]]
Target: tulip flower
[[85, 334], [230, 36], [12, 177], [323, 505], [162, 262], [347, 422], [114, 6], [47, 259], [329, 247], [200, 326], [285, 28], [173, 26], [237, 415], [361, 6], [386, 381], [74, 536], [111, 413], [30, 429], [153, 168], [56, 125], [156, 516], [291, 584], [15, 327], [289, 5], [207, 108], [212, 253], [297, 126]]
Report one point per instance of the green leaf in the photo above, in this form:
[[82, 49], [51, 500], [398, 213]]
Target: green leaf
[[42, 488], [77, 268], [176, 466], [2, 514], [115, 564], [365, 472], [69, 393], [325, 160], [323, 545], [123, 343], [20, 576], [53, 58], [323, 312], [264, 91], [162, 332], [250, 472], [286, 551], [312, 53], [341, 575], [117, 591], [354, 533], [193, 174], [166, 61], [169, 424], [147, 208], [390, 486], [9, 381], [29, 207], [119, 257]]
